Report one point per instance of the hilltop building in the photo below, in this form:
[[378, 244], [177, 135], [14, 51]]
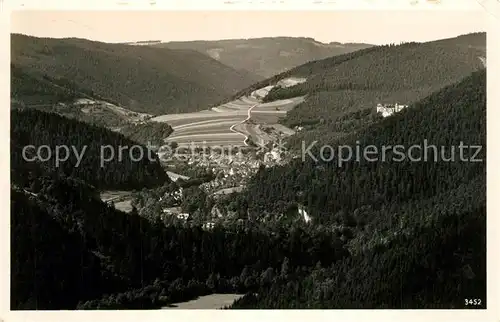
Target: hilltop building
[[85, 102], [389, 109]]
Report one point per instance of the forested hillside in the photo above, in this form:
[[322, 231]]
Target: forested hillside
[[360, 80], [266, 56], [50, 265], [128, 171], [416, 228], [434, 267], [149, 133], [141, 78], [29, 89], [101, 258], [444, 119], [98, 257]]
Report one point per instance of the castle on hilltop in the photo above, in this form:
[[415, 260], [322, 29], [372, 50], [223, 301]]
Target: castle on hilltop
[[389, 109]]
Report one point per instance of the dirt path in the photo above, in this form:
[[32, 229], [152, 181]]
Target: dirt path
[[249, 115]]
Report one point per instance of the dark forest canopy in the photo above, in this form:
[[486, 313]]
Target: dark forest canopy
[[126, 170], [416, 230], [97, 251], [445, 119], [388, 60], [30, 88]]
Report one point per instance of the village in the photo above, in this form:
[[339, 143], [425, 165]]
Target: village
[[229, 170]]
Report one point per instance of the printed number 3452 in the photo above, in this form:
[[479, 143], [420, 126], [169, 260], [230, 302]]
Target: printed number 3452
[[472, 301]]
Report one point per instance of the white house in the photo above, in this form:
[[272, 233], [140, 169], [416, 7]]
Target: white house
[[389, 109]]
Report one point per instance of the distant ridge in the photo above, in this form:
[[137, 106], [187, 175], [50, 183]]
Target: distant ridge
[[142, 42], [355, 82], [265, 56]]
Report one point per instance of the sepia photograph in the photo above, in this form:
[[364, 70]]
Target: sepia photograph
[[229, 160]]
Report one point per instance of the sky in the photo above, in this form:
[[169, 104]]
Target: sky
[[374, 27]]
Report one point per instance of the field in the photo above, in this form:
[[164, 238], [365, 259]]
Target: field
[[122, 200], [233, 123], [208, 302]]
